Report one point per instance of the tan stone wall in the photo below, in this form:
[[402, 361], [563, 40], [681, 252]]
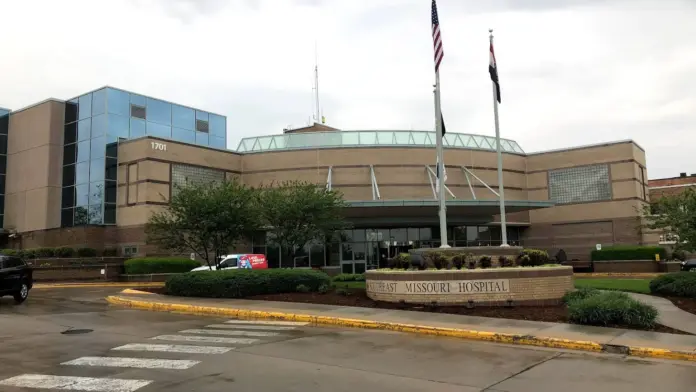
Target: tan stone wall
[[527, 286]]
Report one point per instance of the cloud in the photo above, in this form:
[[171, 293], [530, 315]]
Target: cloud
[[572, 72]]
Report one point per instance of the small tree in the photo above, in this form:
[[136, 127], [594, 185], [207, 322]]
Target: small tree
[[205, 218], [296, 213], [676, 214]]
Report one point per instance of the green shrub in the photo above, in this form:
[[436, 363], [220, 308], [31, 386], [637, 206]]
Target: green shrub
[[612, 308], [40, 253], [10, 252], [160, 265], [505, 262], [534, 258], [342, 291], [679, 255], [486, 262], [65, 251], [458, 261], [579, 294], [349, 278], [680, 284], [110, 252], [303, 289], [400, 261], [27, 253], [86, 252], [437, 259], [629, 253], [323, 289], [244, 282]]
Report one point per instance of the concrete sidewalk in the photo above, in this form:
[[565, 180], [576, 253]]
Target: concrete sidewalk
[[556, 335]]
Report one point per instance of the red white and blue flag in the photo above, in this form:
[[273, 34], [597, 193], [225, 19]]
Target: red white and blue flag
[[437, 38], [493, 70]]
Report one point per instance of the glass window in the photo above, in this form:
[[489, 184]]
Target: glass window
[[112, 146], [66, 217], [117, 102], [413, 234], [71, 111], [95, 215], [398, 235], [333, 255], [302, 258], [273, 256], [183, 135], [85, 106], [111, 169], [68, 197], [84, 129], [3, 165], [3, 144], [96, 170], [359, 251], [359, 235], [347, 236], [69, 154], [201, 115], [159, 130], [110, 194], [187, 174], [82, 195], [159, 111], [217, 142], [580, 184], [98, 146], [349, 138], [96, 193], [110, 214], [137, 128], [83, 151], [183, 117], [2, 191], [472, 233], [81, 216], [138, 111], [70, 133], [346, 252], [217, 125], [426, 234], [118, 126], [69, 175], [82, 173], [202, 126], [136, 99], [316, 255], [98, 102], [201, 139]]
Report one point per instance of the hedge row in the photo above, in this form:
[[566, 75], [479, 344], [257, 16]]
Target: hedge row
[[448, 259], [245, 282], [160, 265], [608, 308], [629, 253], [680, 284], [349, 278], [61, 252]]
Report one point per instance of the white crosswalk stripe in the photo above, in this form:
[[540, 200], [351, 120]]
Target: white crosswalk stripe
[[251, 327], [205, 339], [174, 364], [229, 333], [263, 322], [38, 381], [173, 348]]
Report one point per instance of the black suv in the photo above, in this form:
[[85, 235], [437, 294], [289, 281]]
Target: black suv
[[15, 278]]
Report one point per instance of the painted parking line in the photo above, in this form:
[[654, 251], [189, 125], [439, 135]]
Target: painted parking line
[[173, 348], [265, 322], [254, 327], [205, 339], [229, 333], [39, 381], [141, 363]]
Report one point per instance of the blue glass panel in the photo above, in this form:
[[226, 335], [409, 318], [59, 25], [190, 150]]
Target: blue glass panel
[[98, 147], [83, 151], [159, 111], [95, 215], [183, 135], [217, 125], [200, 115], [117, 102], [85, 106], [82, 195], [159, 130], [84, 129], [82, 173], [99, 125], [201, 139], [137, 128], [118, 126], [217, 142], [96, 170], [138, 100], [183, 117], [98, 102], [112, 146], [96, 193]]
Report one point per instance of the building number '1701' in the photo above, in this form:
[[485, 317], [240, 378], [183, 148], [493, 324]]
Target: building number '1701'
[[159, 146]]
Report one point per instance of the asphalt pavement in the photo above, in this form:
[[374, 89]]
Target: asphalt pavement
[[71, 340]]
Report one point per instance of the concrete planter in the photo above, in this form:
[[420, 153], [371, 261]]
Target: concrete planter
[[531, 286]]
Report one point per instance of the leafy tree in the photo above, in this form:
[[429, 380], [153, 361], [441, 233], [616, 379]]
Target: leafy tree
[[675, 214], [205, 218], [296, 213]]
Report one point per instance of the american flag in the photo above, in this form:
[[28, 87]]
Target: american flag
[[437, 39]]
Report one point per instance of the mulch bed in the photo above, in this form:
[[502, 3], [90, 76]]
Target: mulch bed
[[685, 304]]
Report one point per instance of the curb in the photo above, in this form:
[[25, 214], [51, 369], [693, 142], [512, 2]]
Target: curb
[[95, 285], [496, 337]]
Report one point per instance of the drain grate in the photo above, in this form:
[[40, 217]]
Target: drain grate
[[76, 331]]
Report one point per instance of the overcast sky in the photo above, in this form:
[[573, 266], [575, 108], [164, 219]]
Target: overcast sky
[[572, 72]]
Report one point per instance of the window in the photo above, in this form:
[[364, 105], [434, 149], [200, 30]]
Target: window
[[12, 262], [71, 133], [117, 102], [98, 102], [130, 250], [159, 111], [118, 126], [85, 106], [84, 129], [183, 175], [183, 117], [580, 184], [69, 154], [642, 182], [138, 111], [202, 126], [137, 128], [228, 262], [218, 126]]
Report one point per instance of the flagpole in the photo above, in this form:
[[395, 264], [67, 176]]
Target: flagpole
[[442, 211], [501, 189]]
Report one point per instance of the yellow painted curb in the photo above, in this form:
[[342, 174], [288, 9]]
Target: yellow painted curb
[[96, 285], [401, 327], [131, 291]]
